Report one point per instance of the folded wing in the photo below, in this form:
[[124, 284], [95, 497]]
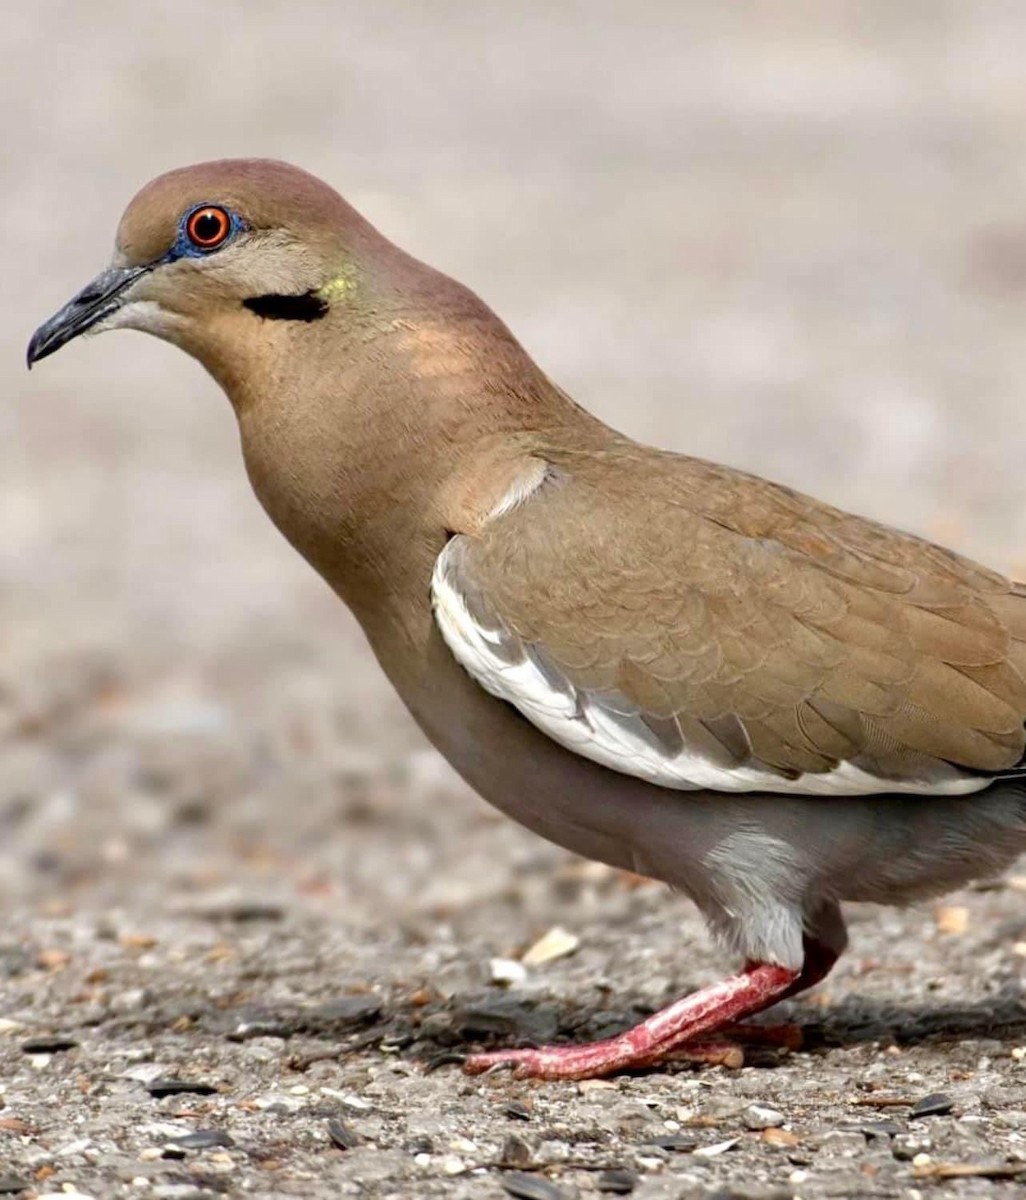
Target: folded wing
[[700, 628]]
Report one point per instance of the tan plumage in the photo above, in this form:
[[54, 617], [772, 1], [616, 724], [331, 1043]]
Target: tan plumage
[[769, 703], [808, 634]]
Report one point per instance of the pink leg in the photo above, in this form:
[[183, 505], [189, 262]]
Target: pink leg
[[819, 962], [688, 1019]]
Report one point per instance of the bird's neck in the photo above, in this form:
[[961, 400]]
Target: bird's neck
[[371, 442]]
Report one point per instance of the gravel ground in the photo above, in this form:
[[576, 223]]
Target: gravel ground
[[789, 237]]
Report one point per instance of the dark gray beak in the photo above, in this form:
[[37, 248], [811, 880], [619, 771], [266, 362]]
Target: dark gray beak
[[94, 302]]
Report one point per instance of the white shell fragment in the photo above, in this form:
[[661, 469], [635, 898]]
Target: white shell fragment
[[716, 1149], [557, 943], [506, 971]]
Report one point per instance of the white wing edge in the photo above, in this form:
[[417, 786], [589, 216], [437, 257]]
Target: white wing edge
[[579, 722]]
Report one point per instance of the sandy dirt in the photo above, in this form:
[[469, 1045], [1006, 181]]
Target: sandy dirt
[[787, 237]]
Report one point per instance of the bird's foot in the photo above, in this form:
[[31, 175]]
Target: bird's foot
[[729, 1048], [784, 1036], [676, 1031]]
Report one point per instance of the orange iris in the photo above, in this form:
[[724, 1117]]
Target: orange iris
[[208, 227]]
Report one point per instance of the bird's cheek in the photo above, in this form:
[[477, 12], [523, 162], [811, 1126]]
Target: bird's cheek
[[148, 316]]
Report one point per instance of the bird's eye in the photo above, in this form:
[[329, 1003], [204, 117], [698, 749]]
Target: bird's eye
[[208, 227]]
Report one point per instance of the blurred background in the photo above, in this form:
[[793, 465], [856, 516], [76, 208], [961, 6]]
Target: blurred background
[[792, 238]]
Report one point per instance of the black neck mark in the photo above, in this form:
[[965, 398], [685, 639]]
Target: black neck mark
[[307, 307]]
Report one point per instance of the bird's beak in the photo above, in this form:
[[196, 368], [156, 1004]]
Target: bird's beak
[[95, 301]]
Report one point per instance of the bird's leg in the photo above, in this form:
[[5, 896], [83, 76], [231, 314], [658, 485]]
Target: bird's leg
[[687, 1020], [818, 963]]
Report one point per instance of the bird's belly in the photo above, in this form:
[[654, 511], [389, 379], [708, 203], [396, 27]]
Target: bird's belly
[[898, 849], [564, 798], [712, 846]]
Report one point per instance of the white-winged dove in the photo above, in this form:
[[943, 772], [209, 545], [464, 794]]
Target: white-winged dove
[[661, 663]]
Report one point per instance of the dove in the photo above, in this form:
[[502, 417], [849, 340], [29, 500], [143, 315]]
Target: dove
[[657, 662]]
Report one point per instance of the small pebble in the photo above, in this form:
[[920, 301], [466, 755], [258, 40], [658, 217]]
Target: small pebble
[[875, 1129], [160, 1088], [530, 1187], [341, 1135], [758, 1116], [515, 1152], [617, 1182], [453, 1165], [234, 908], [276, 1102], [648, 1163], [517, 1110], [172, 1191], [779, 1137], [48, 1045], [937, 1104], [554, 1150], [349, 1099], [952, 919], [673, 1141], [597, 1085], [79, 1146], [204, 1139], [506, 971], [905, 1146]]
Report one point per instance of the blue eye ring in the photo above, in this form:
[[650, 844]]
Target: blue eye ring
[[204, 229]]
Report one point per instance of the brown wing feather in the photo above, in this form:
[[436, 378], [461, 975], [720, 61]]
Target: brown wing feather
[[767, 627]]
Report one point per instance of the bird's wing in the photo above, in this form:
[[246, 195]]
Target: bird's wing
[[700, 628]]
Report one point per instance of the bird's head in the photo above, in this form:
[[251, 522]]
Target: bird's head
[[222, 254], [373, 393]]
